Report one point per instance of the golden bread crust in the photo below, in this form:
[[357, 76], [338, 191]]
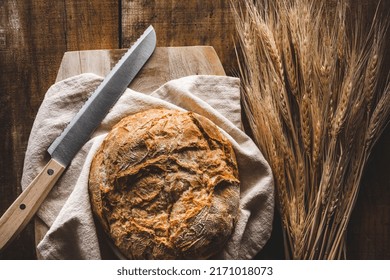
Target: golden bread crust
[[164, 185]]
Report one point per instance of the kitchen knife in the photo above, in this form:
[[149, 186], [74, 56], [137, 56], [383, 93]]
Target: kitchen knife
[[75, 135]]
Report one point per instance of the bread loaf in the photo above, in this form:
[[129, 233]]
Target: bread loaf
[[164, 185]]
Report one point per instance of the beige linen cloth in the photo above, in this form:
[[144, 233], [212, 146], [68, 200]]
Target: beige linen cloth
[[67, 211]]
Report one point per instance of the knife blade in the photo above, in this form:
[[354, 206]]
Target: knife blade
[[75, 135]]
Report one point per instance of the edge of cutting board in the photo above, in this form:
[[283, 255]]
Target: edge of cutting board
[[166, 63]]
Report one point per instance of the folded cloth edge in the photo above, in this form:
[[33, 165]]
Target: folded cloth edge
[[174, 91]]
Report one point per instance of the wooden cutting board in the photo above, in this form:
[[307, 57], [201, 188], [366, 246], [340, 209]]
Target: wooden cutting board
[[166, 63]]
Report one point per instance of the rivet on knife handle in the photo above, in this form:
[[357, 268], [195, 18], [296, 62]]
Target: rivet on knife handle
[[76, 134], [26, 205]]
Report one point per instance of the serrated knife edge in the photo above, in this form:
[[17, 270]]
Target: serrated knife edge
[[64, 147]]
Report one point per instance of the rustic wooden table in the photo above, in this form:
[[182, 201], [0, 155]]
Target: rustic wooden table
[[34, 37]]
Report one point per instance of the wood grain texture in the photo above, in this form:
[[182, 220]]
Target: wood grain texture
[[368, 233], [183, 23], [34, 35], [166, 63], [91, 24], [28, 202], [22, 82], [369, 230], [33, 38]]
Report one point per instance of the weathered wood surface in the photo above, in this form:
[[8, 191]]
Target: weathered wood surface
[[34, 36], [183, 23], [166, 63], [368, 233]]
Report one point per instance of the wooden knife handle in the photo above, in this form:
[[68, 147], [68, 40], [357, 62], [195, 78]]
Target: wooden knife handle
[[27, 204]]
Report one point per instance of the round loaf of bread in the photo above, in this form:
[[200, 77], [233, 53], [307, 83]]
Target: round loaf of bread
[[164, 185]]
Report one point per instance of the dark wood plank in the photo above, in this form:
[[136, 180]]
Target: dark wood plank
[[22, 84], [369, 229], [183, 23], [33, 38], [368, 235], [92, 24]]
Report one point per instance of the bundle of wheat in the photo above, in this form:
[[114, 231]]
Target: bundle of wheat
[[315, 106]]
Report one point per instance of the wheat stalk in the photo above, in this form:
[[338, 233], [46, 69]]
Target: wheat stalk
[[315, 106]]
